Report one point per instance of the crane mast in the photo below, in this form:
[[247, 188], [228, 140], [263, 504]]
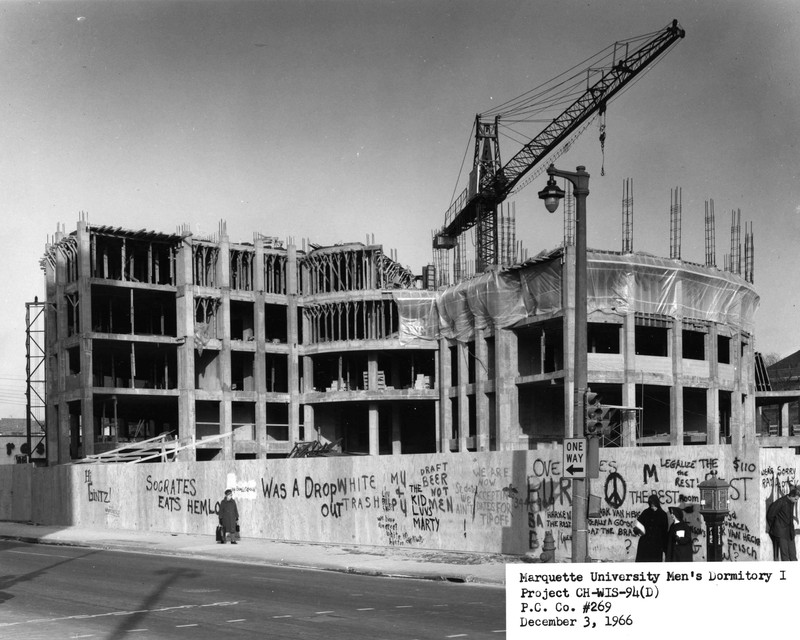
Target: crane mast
[[490, 182]]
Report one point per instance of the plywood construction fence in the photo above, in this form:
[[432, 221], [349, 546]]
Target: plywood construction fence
[[493, 502]]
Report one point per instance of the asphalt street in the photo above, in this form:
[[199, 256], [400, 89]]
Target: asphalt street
[[53, 592]]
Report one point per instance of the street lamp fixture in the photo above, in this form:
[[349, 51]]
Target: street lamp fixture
[[551, 194]]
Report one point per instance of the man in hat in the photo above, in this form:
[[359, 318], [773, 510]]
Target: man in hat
[[228, 516], [780, 526]]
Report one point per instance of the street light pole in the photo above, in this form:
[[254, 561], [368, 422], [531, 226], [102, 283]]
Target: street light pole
[[551, 195]]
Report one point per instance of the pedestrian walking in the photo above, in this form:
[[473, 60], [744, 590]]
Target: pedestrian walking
[[679, 538], [228, 517], [780, 526], [653, 526]]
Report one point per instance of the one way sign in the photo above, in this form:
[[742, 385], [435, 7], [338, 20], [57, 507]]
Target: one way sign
[[574, 463]]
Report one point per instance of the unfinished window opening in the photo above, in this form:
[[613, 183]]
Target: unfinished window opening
[[206, 419], [241, 266], [655, 417], [541, 411], [277, 422], [204, 262], [107, 256], [455, 426], [652, 341], [492, 421], [417, 427], [205, 319], [490, 357], [339, 371], [603, 337], [409, 370], [112, 364], [277, 373], [154, 313], [540, 348], [472, 426], [300, 326], [243, 418], [472, 364], [73, 361], [276, 329], [242, 371], [207, 370], [695, 415], [242, 321], [155, 366], [723, 349], [73, 314], [275, 273], [743, 347], [453, 349], [353, 320], [694, 342], [75, 429], [725, 413], [122, 418], [111, 310]]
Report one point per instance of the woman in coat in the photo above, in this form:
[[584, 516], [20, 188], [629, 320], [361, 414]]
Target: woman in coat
[[228, 516], [653, 526], [679, 538]]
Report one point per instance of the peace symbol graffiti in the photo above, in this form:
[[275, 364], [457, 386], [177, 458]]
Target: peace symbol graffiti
[[615, 490]]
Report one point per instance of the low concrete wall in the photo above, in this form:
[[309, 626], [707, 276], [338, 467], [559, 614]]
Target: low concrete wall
[[483, 502]]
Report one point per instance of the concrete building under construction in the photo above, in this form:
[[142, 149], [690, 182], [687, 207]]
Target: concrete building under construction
[[248, 350]]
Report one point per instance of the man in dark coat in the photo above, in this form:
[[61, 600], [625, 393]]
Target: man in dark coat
[[653, 526], [679, 538], [780, 526], [228, 516]]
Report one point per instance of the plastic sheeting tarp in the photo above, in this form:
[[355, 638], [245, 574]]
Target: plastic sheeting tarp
[[495, 298], [652, 285], [617, 283]]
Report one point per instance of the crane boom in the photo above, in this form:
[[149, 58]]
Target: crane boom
[[479, 201]]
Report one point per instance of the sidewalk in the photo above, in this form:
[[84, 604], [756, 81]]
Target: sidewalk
[[480, 568]]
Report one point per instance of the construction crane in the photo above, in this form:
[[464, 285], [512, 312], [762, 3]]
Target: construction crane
[[490, 182]]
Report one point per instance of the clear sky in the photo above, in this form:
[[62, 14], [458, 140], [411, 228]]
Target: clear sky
[[336, 119]]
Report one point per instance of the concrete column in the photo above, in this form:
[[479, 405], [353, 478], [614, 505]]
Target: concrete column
[[184, 301], [292, 339], [737, 421], [481, 401], [712, 396], [52, 380], [746, 375], [373, 429], [462, 364], [259, 334], [628, 343], [445, 409], [676, 391], [224, 333], [309, 425]]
